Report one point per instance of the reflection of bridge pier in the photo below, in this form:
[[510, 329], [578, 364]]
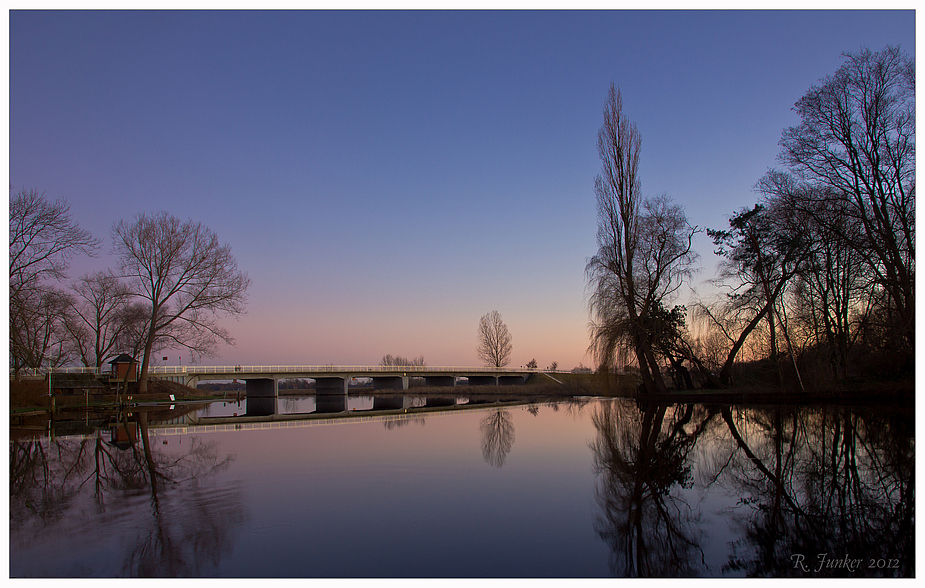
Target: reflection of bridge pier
[[261, 406], [330, 403], [391, 402], [325, 386]]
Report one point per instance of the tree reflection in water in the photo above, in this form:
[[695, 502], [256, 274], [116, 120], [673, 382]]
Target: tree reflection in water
[[190, 525], [397, 422], [825, 483], [497, 433], [643, 460], [811, 484]]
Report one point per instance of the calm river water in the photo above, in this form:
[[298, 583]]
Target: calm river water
[[582, 488]]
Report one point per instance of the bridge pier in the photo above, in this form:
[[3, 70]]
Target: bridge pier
[[483, 380], [330, 385], [390, 382], [261, 388], [440, 381]]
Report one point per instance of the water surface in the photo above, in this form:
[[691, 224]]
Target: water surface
[[583, 488]]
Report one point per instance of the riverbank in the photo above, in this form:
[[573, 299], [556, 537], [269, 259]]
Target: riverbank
[[892, 394], [31, 400]]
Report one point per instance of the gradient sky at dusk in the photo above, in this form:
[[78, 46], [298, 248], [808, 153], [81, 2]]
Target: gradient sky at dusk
[[386, 178]]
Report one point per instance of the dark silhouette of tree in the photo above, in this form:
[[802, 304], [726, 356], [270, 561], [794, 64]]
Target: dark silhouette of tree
[[98, 316], [856, 145], [763, 250], [668, 332], [43, 240], [644, 249], [37, 334], [494, 340], [186, 278], [833, 284]]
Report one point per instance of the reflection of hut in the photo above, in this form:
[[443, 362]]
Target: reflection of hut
[[124, 369], [123, 435]]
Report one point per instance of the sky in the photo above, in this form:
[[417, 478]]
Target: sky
[[385, 178]]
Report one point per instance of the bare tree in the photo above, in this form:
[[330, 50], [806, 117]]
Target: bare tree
[[186, 278], [644, 249], [389, 360], [494, 340], [98, 317], [37, 335], [834, 284], [43, 240], [763, 251], [856, 142]]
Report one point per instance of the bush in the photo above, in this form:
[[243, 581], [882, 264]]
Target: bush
[[29, 394]]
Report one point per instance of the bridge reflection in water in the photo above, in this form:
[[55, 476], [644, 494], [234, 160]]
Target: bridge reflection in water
[[258, 406]]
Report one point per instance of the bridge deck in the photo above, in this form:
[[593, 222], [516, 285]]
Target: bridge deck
[[282, 372]]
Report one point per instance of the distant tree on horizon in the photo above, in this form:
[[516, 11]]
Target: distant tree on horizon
[[494, 340], [389, 360]]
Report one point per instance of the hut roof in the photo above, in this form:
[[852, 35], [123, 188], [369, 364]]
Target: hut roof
[[123, 358]]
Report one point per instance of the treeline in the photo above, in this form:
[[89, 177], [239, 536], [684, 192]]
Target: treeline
[[171, 283], [818, 275], [389, 360]]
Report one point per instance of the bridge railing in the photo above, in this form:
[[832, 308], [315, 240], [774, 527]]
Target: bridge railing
[[352, 369], [279, 369]]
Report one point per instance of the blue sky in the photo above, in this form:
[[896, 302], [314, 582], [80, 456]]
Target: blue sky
[[386, 178]]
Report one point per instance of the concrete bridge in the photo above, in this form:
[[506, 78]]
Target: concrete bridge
[[263, 381]]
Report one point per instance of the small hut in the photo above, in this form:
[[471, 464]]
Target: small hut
[[124, 369]]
